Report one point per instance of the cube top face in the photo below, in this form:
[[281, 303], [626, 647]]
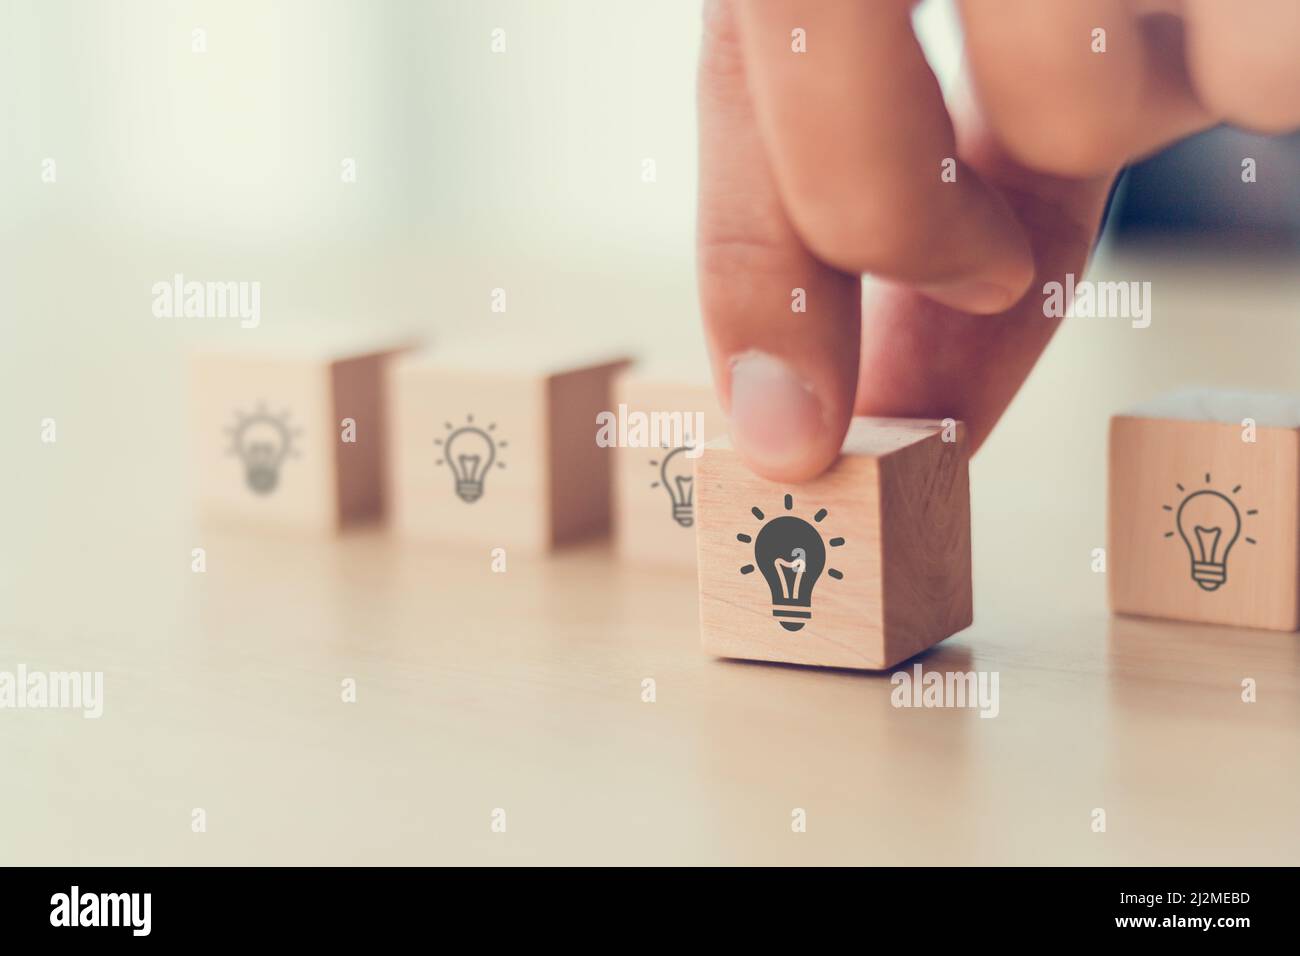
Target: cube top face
[[1203, 524], [1222, 406], [513, 357], [880, 437], [468, 455], [654, 486], [264, 439], [303, 341], [862, 567]]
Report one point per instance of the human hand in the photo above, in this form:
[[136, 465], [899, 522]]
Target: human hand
[[817, 167]]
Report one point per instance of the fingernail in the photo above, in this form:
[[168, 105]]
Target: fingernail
[[776, 419], [971, 296]]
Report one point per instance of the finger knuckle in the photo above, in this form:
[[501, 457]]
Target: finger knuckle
[[729, 265], [1260, 96], [1065, 142], [859, 231]]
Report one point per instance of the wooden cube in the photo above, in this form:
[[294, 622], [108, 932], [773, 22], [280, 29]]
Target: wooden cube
[[494, 444], [1204, 522], [862, 567], [654, 510], [288, 430]]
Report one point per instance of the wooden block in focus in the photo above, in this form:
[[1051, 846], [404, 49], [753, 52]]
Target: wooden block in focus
[[272, 443], [654, 488], [494, 444], [1203, 515], [862, 567]]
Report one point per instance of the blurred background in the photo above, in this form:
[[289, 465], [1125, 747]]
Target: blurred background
[[228, 162], [142, 139]]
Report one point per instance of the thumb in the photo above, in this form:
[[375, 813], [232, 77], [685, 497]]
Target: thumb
[[783, 328]]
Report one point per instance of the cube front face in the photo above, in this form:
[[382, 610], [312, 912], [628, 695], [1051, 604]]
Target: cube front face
[[468, 456], [751, 533], [265, 441], [654, 488], [1204, 526], [800, 573]]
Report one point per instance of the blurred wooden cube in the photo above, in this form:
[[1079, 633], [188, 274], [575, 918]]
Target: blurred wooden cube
[[494, 444], [654, 512], [1203, 510], [883, 537], [288, 429]]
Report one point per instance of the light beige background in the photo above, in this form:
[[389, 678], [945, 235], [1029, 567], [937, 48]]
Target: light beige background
[[523, 690]]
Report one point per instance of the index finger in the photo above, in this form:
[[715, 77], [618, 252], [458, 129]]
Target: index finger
[[865, 157]]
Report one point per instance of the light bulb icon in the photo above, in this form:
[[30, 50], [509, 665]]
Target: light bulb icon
[[262, 441], [470, 452], [790, 554], [1209, 523], [677, 477]]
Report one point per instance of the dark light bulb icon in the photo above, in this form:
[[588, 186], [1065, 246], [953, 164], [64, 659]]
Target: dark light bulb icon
[[470, 452], [1209, 523], [262, 441], [677, 476], [791, 555]]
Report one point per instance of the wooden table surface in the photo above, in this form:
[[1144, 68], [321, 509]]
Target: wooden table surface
[[522, 691]]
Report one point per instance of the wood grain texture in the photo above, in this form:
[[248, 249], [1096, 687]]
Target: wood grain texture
[[357, 390], [1157, 464], [645, 529], [580, 472], [524, 690], [925, 513], [896, 526]]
